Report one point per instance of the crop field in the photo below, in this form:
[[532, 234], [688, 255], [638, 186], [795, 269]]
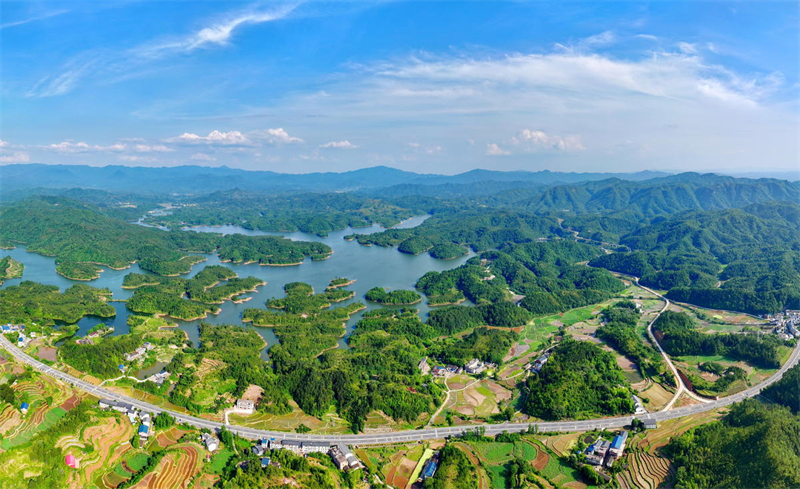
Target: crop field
[[110, 437], [175, 470], [170, 437], [481, 399], [330, 422], [658, 395], [484, 480], [647, 467]]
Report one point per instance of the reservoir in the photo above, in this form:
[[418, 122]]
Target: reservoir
[[370, 266]]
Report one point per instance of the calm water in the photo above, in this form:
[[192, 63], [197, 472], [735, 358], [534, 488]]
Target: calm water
[[370, 266]]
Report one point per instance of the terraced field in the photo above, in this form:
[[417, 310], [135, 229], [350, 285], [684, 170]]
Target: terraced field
[[175, 470], [110, 437], [647, 467]]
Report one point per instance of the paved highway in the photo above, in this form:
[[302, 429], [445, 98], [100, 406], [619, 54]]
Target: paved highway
[[398, 436]]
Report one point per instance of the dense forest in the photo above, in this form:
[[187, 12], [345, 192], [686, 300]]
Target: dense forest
[[736, 259], [619, 330], [678, 336], [10, 268], [547, 274], [394, 297], [81, 237], [44, 304], [579, 381], [186, 298], [304, 321], [754, 445]]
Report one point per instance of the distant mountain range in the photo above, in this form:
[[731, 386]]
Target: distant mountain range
[[198, 179]]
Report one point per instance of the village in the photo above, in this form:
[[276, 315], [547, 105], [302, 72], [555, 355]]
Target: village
[[786, 324]]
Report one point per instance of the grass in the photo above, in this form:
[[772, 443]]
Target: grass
[[137, 461], [219, 460]]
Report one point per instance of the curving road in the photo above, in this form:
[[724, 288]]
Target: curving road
[[400, 436]]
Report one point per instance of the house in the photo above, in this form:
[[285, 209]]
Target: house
[[264, 443], [246, 405], [352, 460], [618, 444], [265, 462], [439, 371], [136, 355], [291, 445], [132, 415], [430, 467], [144, 431], [145, 419], [315, 447], [474, 366], [148, 346], [424, 367], [122, 367], [71, 461], [21, 341], [638, 406], [650, 424], [23, 408], [210, 441], [596, 452], [122, 407], [160, 377], [257, 450], [339, 460]]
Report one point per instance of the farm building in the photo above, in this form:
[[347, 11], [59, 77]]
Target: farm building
[[246, 406], [265, 462], [23, 408], [650, 424], [315, 447], [71, 461], [144, 431], [430, 468], [210, 441]]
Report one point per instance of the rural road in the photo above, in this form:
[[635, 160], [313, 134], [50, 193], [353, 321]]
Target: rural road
[[400, 436]]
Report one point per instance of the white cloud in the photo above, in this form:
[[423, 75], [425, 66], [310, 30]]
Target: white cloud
[[16, 157], [104, 64], [677, 76], [687, 48], [3, 144], [155, 148], [137, 158], [203, 157], [275, 136], [538, 140], [434, 150], [215, 137], [602, 39], [218, 33], [649, 37], [493, 149], [339, 145], [46, 15]]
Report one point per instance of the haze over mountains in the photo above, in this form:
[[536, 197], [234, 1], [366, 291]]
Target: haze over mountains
[[192, 179]]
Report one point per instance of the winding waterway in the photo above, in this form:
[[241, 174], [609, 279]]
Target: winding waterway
[[370, 266]]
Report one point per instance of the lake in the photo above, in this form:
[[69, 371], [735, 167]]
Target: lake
[[370, 266]]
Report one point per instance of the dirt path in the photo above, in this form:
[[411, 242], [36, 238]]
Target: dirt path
[[447, 400]]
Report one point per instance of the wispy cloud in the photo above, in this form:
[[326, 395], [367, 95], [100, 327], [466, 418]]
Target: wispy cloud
[[339, 145], [219, 33], [237, 138], [492, 149], [104, 65], [46, 15], [530, 140], [16, 157]]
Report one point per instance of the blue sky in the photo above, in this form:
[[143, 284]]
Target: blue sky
[[431, 87]]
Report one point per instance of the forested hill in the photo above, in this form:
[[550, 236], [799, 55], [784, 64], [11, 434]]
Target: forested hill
[[81, 238], [197, 179], [740, 259], [660, 196]]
